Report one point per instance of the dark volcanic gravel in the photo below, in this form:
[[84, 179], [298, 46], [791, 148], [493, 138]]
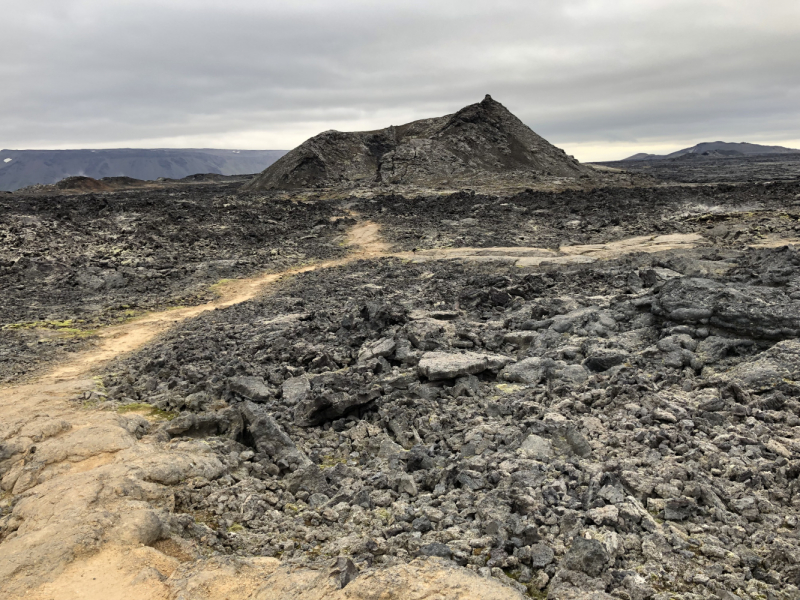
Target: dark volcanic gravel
[[627, 427], [621, 429], [69, 264], [552, 219]]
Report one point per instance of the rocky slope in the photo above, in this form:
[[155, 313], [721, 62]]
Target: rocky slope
[[481, 143]]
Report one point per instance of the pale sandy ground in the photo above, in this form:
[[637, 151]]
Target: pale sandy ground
[[521, 256]]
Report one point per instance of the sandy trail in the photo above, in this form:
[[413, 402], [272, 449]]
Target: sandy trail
[[366, 238], [77, 470]]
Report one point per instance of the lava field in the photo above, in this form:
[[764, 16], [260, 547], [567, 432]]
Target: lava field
[[622, 426]]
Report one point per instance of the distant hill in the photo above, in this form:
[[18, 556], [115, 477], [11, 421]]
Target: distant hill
[[481, 143], [21, 168], [718, 149]]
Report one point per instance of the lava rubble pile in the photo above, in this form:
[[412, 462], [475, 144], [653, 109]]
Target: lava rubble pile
[[625, 429]]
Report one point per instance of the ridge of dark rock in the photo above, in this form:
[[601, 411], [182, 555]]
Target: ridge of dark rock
[[479, 143]]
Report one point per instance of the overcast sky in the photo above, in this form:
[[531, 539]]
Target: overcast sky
[[600, 78]]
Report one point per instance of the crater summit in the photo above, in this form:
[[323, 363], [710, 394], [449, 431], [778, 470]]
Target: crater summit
[[482, 143]]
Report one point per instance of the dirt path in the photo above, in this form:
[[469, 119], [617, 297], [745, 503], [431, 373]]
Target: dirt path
[[21, 403], [84, 500], [366, 238]]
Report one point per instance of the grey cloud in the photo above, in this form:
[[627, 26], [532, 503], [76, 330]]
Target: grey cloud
[[87, 72]]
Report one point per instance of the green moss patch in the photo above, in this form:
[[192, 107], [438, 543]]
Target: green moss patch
[[148, 411]]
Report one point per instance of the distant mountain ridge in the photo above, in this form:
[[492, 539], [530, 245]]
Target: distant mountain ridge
[[718, 149], [21, 168]]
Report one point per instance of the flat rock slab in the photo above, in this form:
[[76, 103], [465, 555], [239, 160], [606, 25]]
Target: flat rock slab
[[524, 256], [537, 447], [644, 243], [444, 365], [296, 389], [252, 388]]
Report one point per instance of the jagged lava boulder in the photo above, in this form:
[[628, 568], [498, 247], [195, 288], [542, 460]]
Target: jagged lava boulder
[[482, 143]]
